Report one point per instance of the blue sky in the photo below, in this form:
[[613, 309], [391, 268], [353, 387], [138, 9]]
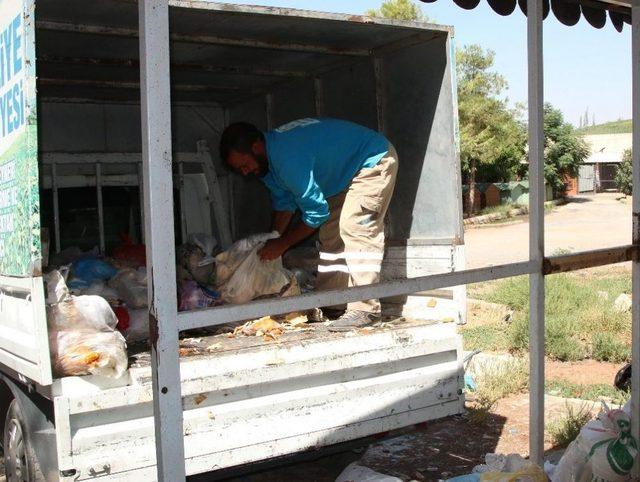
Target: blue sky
[[584, 67]]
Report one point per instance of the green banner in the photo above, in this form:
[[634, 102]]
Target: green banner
[[20, 250]]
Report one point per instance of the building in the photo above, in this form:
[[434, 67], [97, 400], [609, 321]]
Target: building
[[598, 172]]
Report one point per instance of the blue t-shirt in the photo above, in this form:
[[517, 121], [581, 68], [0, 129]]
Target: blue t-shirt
[[313, 159]]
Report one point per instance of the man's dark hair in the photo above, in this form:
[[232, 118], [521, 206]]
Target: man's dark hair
[[239, 136]]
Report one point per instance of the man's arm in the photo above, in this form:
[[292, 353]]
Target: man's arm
[[281, 221], [274, 248]]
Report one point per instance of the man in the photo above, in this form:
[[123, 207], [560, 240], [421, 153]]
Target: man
[[340, 176]]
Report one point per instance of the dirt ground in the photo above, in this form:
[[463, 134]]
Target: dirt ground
[[587, 222]]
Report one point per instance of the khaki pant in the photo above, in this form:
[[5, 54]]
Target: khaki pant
[[352, 240]]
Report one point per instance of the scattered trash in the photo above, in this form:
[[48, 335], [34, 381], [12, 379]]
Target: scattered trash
[[214, 347], [275, 362], [296, 319], [265, 326], [358, 473], [198, 399], [242, 276], [82, 333], [504, 468], [604, 451]]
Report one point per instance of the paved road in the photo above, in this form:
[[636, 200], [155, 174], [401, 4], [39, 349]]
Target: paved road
[[589, 222]]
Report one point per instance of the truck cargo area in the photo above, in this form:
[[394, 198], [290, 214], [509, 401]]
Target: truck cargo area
[[245, 398]]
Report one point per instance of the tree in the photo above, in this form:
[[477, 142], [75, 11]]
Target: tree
[[492, 139], [623, 174], [399, 10], [564, 150]]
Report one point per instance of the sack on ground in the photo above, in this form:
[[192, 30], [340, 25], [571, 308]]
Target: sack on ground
[[242, 276], [605, 451]]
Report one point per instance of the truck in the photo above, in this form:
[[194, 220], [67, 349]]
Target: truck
[[77, 168]]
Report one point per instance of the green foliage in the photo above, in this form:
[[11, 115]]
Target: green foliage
[[488, 337], [615, 127], [504, 209], [564, 150], [495, 380], [624, 179], [606, 347], [566, 429], [492, 139], [581, 321], [599, 391], [399, 10]]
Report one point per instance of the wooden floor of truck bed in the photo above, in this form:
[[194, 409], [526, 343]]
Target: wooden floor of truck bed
[[206, 343]]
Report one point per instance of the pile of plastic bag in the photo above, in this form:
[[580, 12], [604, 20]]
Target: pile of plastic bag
[[605, 450], [120, 282], [82, 333]]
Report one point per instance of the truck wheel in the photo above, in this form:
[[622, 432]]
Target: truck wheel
[[21, 464]]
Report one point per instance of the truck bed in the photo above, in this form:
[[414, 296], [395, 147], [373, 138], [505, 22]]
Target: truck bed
[[198, 344], [246, 399]]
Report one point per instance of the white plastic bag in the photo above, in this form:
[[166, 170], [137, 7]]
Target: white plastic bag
[[358, 473], [138, 326], [77, 352], [604, 451], [242, 276], [82, 333], [129, 286]]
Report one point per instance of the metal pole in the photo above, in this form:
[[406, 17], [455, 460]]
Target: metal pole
[[183, 216], [377, 68], [231, 188], [141, 196], [100, 207], [536, 231], [56, 207], [158, 196], [635, 275]]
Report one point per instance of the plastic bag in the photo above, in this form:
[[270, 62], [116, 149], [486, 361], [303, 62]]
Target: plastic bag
[[242, 276], [532, 473], [194, 297], [604, 450], [89, 352], [138, 326], [194, 264], [358, 473], [129, 253], [206, 243], [100, 288], [127, 284], [88, 270], [82, 333]]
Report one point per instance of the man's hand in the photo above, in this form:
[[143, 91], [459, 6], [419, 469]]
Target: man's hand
[[273, 249]]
